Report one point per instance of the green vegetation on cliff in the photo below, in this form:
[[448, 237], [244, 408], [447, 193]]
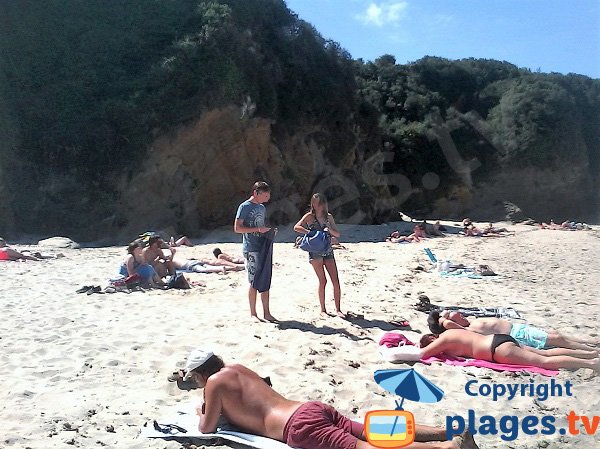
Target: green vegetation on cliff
[[87, 85]]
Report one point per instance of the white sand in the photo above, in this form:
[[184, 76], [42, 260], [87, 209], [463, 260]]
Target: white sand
[[73, 365]]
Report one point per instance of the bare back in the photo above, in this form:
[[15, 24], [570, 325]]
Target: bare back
[[460, 343], [247, 402], [489, 326]]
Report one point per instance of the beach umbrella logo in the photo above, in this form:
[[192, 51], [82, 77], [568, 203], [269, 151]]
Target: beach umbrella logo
[[396, 428]]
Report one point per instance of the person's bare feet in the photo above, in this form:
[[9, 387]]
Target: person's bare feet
[[324, 314], [256, 319], [465, 441], [340, 314], [270, 318]]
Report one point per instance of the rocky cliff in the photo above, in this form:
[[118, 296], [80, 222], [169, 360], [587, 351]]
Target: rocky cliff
[[195, 177]]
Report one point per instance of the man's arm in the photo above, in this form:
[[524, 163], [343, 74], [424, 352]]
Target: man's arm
[[449, 324], [239, 228], [211, 409]]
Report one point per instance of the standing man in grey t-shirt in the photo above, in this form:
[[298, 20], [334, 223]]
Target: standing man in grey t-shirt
[[250, 221]]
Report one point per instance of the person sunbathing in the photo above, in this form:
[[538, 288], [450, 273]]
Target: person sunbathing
[[473, 231], [417, 235], [248, 403], [525, 334], [181, 241], [224, 256], [207, 265], [9, 254], [491, 230], [501, 348]]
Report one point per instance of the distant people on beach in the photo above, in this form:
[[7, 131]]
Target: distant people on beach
[[319, 219], [566, 226], [250, 222], [525, 334], [417, 235], [502, 348], [437, 229], [9, 254], [227, 257], [155, 256], [221, 263], [181, 241], [491, 230], [206, 266], [135, 263]]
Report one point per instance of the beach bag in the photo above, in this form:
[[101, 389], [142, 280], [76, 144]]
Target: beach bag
[[179, 281], [129, 281], [316, 242]]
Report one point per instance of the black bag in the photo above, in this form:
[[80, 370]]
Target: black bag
[[179, 281]]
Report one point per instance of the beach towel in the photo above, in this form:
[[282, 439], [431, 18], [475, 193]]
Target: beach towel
[[484, 312], [454, 361], [461, 273], [405, 351], [425, 306], [184, 416], [262, 277]]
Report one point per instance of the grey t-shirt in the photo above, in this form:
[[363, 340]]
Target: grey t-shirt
[[253, 215]]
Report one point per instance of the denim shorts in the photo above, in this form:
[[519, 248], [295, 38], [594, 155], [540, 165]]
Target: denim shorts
[[325, 256]]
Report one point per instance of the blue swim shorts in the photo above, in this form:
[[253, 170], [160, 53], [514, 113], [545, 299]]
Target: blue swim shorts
[[529, 335]]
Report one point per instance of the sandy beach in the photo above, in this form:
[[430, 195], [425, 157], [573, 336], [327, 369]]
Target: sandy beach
[[87, 371]]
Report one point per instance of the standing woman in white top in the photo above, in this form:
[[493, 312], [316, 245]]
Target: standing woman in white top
[[320, 219]]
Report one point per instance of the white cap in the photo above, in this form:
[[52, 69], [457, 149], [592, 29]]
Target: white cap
[[196, 358]]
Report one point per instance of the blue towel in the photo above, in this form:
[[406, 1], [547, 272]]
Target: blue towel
[[262, 277]]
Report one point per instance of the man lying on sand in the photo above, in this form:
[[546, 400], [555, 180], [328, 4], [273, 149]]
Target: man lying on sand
[[525, 334], [7, 253], [248, 403], [502, 348]]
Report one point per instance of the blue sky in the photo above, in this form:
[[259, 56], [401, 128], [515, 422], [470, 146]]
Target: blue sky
[[550, 35]]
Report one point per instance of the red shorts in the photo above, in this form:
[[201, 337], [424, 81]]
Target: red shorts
[[319, 426]]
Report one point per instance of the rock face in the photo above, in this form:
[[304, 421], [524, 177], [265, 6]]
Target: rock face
[[196, 177]]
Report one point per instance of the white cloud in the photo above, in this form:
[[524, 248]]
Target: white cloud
[[385, 13]]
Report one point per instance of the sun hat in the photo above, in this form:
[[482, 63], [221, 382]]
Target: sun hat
[[196, 358]]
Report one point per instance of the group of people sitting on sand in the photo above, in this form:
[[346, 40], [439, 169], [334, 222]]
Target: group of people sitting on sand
[[150, 258]]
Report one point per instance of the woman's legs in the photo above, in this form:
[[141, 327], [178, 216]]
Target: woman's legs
[[318, 266], [331, 267], [557, 339]]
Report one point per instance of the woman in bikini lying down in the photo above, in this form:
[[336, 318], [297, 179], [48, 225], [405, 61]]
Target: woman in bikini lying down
[[501, 348]]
